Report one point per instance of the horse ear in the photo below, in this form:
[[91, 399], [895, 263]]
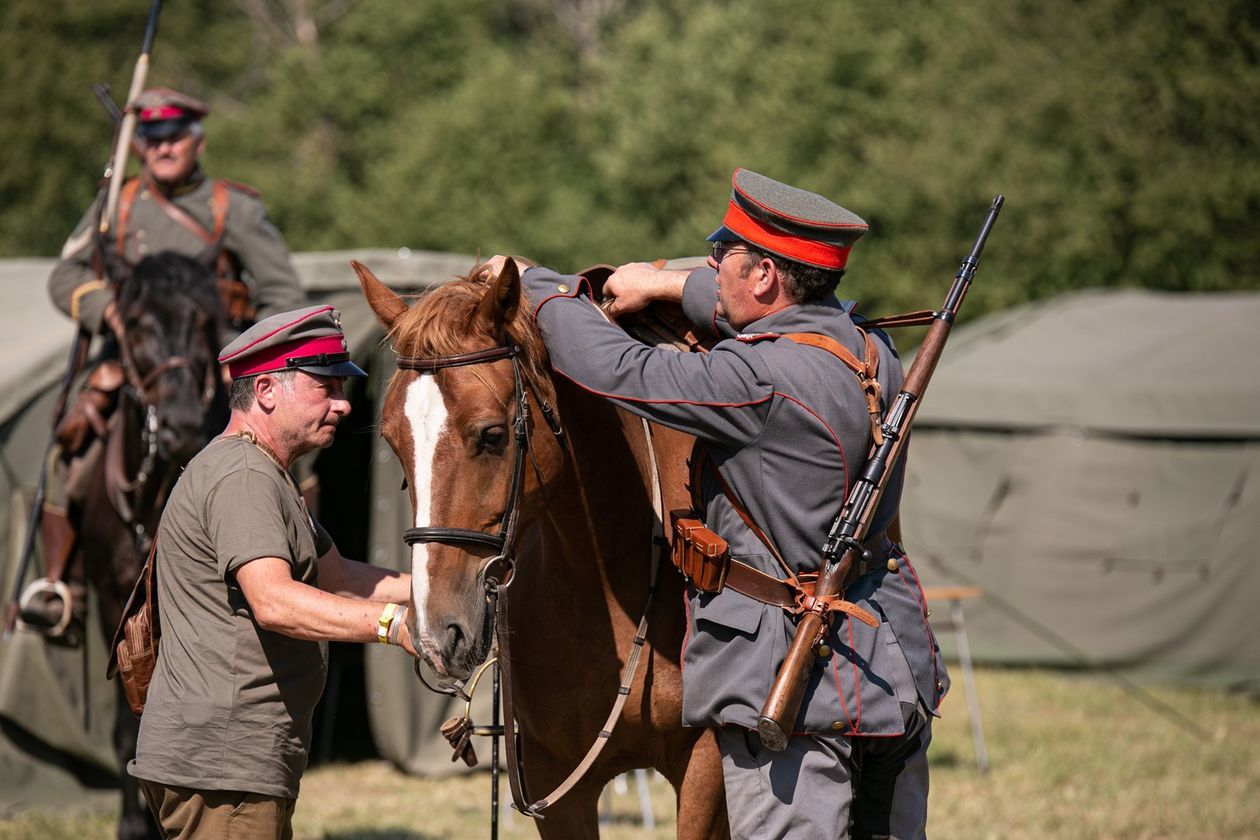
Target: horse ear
[[498, 306], [387, 305]]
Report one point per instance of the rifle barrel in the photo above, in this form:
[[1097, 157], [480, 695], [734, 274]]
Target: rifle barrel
[[782, 706]]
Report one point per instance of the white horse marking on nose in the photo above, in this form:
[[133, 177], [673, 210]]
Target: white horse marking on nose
[[425, 410]]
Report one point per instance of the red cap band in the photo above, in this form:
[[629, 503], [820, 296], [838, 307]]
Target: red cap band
[[162, 112], [813, 252], [274, 358]]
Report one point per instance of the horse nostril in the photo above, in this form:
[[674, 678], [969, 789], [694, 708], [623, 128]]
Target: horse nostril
[[454, 641]]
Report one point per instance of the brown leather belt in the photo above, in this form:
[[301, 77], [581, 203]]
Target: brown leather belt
[[768, 589]]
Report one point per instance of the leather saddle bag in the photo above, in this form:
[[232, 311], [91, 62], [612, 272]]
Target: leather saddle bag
[[701, 555], [133, 652]]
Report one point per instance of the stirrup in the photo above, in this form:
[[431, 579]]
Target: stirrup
[[37, 616]]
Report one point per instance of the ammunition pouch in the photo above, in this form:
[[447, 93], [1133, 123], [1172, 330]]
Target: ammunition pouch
[[87, 417], [701, 555]]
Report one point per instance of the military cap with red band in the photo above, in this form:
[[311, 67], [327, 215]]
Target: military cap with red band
[[309, 339], [162, 112], [789, 222]]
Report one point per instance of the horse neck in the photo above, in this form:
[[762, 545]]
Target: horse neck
[[598, 511]]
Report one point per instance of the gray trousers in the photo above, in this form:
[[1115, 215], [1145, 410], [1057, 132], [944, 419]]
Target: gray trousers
[[828, 788]]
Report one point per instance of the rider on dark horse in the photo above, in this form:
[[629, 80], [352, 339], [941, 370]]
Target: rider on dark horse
[[171, 206]]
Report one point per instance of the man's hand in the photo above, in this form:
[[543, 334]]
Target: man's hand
[[635, 285], [112, 319], [496, 263]]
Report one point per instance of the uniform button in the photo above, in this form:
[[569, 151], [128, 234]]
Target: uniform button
[[838, 725], [823, 651], [142, 248], [140, 234], [144, 193], [892, 564], [562, 289]]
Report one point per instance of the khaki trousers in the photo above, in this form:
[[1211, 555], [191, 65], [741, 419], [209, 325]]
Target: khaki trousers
[[189, 813]]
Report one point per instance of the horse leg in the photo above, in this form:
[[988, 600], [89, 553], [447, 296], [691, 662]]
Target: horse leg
[[697, 780], [135, 822]]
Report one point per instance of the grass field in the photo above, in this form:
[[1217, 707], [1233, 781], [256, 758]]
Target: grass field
[[1070, 757]]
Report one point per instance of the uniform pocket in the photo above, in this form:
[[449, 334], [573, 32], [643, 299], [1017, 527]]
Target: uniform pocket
[[729, 612]]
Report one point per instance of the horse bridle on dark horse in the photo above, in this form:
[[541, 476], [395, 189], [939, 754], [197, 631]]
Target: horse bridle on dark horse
[[121, 489]]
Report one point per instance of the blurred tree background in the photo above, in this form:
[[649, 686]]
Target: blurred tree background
[[1125, 134]]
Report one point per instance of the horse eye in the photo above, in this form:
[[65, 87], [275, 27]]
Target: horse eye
[[403, 486], [493, 437]]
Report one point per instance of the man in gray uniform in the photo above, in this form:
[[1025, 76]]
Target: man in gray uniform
[[785, 425], [251, 588], [173, 206]]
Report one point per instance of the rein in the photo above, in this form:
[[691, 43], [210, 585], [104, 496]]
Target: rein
[[122, 489], [496, 575]]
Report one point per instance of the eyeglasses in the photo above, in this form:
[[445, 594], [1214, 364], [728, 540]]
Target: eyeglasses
[[721, 249], [173, 139]]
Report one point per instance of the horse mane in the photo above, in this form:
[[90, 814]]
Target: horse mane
[[443, 319], [170, 282]]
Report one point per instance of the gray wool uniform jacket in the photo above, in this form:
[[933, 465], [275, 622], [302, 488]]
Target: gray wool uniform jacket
[[248, 235], [786, 424]]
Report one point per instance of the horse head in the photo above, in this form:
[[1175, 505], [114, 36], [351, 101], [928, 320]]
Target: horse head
[[170, 310], [465, 425]]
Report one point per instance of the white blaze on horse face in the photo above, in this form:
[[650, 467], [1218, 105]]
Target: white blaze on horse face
[[425, 410]]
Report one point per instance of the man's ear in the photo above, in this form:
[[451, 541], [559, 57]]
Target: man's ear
[[767, 282], [265, 388]]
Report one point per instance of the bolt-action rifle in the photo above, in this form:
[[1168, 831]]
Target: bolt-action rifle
[[115, 169], [843, 548]]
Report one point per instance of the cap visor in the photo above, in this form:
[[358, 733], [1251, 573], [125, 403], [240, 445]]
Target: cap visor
[[723, 234], [160, 129], [335, 369]]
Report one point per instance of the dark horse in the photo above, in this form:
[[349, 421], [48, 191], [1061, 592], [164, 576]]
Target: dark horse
[[583, 555], [172, 402]]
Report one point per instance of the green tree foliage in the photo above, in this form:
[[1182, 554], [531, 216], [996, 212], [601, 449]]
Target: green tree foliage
[[578, 131]]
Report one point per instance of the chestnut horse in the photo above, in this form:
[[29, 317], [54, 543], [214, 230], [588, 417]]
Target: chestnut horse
[[583, 546], [173, 401]]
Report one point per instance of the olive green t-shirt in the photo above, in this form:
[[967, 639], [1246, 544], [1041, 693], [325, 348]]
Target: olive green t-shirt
[[230, 704]]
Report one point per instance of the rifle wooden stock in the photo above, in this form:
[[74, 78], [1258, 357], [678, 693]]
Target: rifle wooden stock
[[117, 169], [783, 704]]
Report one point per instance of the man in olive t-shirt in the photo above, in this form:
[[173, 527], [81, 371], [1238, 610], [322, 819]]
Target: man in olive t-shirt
[[251, 589]]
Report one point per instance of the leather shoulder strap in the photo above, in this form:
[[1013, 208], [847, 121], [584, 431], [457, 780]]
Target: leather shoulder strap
[[867, 371], [125, 200], [219, 206]]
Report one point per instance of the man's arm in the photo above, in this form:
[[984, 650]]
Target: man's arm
[[350, 578], [635, 285], [292, 608], [74, 287], [258, 244]]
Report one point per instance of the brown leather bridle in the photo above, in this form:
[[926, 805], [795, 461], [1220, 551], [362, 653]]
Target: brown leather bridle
[[499, 567], [123, 490], [495, 574]]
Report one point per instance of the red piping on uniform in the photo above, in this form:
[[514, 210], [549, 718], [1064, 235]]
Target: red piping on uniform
[[574, 292], [936, 677], [844, 463], [654, 402]]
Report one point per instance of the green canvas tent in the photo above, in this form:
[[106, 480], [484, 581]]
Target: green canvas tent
[[1093, 463]]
